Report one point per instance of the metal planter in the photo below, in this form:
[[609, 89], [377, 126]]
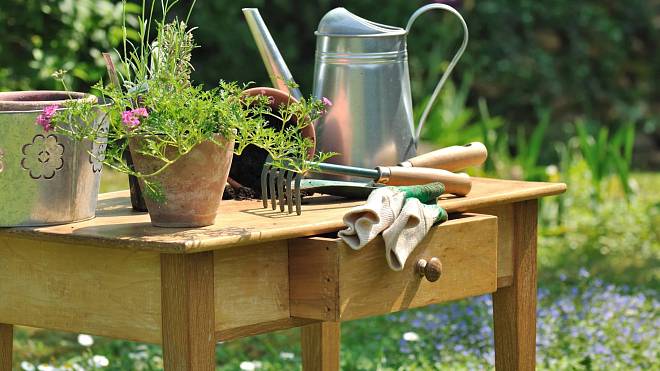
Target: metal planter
[[45, 178]]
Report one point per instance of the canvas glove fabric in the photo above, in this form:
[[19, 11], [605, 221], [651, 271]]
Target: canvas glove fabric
[[364, 223], [382, 212], [409, 229]]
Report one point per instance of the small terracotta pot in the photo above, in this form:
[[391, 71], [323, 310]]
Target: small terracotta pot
[[246, 168], [279, 98], [193, 185]]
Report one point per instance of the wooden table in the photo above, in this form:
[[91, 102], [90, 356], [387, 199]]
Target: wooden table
[[259, 270]]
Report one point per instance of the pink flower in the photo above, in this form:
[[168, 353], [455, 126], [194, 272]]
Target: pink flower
[[326, 102], [46, 116], [140, 112], [131, 118]]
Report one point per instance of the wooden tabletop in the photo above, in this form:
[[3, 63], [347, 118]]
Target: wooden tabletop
[[246, 222]]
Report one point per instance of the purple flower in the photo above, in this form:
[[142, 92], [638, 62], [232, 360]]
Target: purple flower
[[131, 118], [583, 273], [46, 116], [326, 102]]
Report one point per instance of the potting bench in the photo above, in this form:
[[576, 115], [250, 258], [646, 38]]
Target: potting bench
[[259, 270]]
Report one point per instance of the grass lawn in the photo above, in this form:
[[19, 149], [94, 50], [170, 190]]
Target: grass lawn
[[598, 305]]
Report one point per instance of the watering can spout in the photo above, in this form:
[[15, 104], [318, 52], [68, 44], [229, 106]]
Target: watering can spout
[[277, 69]]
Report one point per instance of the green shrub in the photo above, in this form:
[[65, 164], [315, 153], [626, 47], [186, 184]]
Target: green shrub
[[41, 37], [590, 58]]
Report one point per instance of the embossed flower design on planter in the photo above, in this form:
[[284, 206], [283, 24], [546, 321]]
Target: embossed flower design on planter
[[97, 155], [43, 157]]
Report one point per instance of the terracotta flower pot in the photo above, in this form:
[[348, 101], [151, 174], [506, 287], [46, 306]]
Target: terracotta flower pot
[[246, 168], [192, 185]]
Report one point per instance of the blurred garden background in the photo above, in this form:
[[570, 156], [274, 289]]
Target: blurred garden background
[[558, 91]]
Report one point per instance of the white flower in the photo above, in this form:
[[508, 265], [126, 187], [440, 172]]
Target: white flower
[[100, 361], [250, 366], [551, 170], [410, 336], [27, 366], [287, 355], [85, 340], [44, 367]]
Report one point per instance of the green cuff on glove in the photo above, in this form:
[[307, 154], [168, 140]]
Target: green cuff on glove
[[428, 194]]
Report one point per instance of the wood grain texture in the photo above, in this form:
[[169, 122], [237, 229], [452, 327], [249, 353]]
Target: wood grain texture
[[455, 183], [365, 285], [314, 278], [6, 346], [466, 247], [514, 307], [246, 222], [321, 346], [251, 285], [116, 293], [452, 158], [261, 328], [188, 314], [91, 290], [505, 233]]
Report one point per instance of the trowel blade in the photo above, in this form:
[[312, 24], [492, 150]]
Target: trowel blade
[[352, 190]]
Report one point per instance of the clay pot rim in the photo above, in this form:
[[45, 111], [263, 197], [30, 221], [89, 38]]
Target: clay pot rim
[[280, 97], [36, 100]]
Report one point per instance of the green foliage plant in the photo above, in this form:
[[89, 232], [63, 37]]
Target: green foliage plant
[[606, 155], [157, 106]]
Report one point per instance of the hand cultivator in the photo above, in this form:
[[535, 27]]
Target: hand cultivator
[[282, 185]]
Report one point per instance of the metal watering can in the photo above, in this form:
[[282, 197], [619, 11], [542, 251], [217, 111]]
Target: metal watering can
[[362, 67]]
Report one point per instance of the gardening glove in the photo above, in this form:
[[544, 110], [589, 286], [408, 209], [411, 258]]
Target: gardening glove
[[364, 223], [409, 229], [384, 204]]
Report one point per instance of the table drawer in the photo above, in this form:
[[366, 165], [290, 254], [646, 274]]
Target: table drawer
[[330, 281]]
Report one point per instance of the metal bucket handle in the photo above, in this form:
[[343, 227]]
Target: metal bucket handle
[[453, 62]]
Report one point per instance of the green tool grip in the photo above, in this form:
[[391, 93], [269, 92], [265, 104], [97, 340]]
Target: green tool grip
[[426, 193]]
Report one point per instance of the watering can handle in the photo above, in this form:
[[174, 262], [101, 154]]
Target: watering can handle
[[453, 62]]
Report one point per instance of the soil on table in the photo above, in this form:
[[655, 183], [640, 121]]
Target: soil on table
[[240, 193]]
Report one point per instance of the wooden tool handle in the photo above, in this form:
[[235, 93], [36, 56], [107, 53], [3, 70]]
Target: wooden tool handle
[[452, 158], [458, 184]]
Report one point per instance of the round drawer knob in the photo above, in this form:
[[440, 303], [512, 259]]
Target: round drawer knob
[[431, 269]]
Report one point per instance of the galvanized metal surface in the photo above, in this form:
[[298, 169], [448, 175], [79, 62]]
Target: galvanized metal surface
[[277, 69], [45, 178], [362, 67]]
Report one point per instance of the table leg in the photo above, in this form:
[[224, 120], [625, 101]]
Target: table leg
[[6, 347], [514, 307], [320, 346], [187, 311]]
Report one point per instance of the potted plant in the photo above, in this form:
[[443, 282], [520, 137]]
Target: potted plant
[[180, 135], [46, 178]]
